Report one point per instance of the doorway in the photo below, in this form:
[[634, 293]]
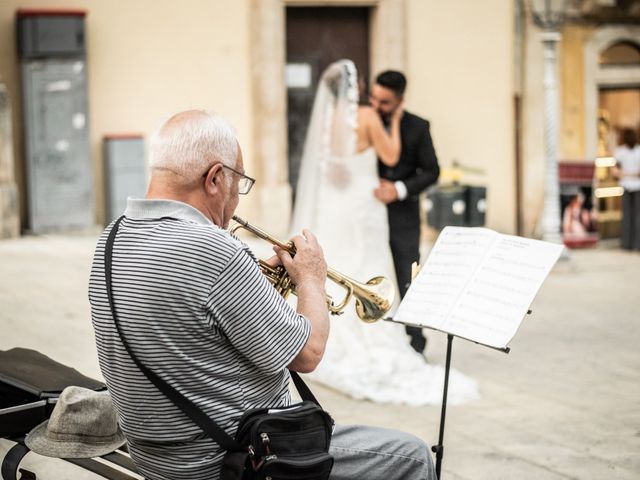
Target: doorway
[[619, 106], [316, 37]]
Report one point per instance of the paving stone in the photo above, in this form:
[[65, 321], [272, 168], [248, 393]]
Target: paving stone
[[564, 404]]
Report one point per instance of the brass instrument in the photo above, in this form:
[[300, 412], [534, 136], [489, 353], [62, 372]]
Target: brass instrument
[[373, 299]]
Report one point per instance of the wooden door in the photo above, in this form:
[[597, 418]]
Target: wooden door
[[316, 37]]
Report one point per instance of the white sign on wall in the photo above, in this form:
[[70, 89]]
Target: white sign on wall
[[298, 75]]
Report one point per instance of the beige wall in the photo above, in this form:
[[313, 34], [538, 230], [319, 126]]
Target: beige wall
[[146, 60], [460, 72]]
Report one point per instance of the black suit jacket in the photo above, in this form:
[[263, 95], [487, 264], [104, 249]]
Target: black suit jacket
[[417, 169]]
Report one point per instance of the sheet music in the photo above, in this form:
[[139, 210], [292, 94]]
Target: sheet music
[[453, 260], [478, 284]]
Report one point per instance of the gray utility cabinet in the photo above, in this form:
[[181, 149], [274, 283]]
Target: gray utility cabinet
[[54, 85], [124, 172]]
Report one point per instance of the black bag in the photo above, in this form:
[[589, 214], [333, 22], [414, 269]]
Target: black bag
[[289, 442]]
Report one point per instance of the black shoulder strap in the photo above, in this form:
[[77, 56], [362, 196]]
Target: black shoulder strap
[[189, 408], [303, 390]]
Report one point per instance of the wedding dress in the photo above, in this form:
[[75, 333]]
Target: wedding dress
[[335, 201]]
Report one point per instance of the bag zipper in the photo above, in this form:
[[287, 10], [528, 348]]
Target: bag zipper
[[303, 461]]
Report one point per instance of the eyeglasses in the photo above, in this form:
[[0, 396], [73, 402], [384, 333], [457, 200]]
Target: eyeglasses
[[245, 183]]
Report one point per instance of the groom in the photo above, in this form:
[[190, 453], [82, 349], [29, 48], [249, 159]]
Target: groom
[[399, 186]]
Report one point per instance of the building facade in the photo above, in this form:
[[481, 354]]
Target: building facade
[[148, 59], [598, 78]]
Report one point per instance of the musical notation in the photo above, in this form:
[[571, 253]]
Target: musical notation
[[478, 284]]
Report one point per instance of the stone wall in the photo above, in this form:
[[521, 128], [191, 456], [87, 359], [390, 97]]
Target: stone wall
[[9, 212]]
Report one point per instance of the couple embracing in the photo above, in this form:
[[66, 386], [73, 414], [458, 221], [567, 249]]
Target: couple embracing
[[361, 173]]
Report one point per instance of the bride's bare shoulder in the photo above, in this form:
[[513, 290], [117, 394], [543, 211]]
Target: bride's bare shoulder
[[364, 111], [365, 116]]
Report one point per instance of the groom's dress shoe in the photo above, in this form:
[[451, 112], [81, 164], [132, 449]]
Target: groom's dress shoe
[[418, 340]]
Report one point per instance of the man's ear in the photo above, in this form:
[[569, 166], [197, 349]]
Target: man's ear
[[213, 178]]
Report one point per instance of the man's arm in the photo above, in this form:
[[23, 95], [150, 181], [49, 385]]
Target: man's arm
[[428, 170], [308, 271], [313, 306]]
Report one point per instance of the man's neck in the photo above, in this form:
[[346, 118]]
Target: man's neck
[[163, 190]]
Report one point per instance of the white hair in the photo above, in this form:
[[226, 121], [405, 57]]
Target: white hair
[[189, 142]]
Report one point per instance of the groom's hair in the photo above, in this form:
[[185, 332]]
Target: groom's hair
[[393, 80]]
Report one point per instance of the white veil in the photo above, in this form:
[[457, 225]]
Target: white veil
[[331, 138], [335, 201]]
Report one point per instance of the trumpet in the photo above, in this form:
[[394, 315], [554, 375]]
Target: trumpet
[[373, 299]]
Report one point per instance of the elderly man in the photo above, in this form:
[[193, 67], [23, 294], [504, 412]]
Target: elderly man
[[196, 310]]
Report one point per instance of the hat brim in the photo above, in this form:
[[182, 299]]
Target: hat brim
[[38, 442]]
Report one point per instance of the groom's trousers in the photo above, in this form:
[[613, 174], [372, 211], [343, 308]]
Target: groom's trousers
[[379, 454], [404, 240]]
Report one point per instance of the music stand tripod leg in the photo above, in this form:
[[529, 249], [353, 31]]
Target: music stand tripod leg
[[439, 449]]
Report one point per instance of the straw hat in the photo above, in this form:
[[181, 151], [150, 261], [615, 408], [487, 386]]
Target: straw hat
[[83, 424]]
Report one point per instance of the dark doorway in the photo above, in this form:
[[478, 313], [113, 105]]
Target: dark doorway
[[316, 37], [618, 108], [621, 108]]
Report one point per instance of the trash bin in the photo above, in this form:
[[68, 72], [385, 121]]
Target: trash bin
[[446, 205], [476, 206], [456, 205]]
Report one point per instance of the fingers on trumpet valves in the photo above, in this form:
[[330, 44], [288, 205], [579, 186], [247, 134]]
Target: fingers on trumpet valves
[[283, 255], [273, 261], [306, 262]]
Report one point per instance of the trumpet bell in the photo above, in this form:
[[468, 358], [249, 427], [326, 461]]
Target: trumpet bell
[[376, 300]]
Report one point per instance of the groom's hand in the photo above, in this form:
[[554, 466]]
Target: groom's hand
[[386, 192]]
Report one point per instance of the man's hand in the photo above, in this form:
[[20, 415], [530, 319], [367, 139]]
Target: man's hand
[[308, 271], [398, 113], [386, 192], [273, 262], [308, 266]]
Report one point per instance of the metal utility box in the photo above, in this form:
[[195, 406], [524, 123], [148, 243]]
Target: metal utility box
[[124, 172], [55, 111], [50, 33]]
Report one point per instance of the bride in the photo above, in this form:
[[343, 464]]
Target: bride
[[334, 199]]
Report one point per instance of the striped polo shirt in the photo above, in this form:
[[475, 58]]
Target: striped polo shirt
[[196, 310]]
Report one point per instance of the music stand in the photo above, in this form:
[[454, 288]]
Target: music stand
[[439, 448]]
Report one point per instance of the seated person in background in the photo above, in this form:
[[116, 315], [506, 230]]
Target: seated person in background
[[577, 221], [197, 311]]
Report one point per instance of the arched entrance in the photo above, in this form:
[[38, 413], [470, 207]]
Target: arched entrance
[[602, 76]]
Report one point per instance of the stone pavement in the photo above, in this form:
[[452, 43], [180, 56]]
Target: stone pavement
[[564, 404]]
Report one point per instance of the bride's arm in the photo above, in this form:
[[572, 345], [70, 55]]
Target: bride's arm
[[386, 145]]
